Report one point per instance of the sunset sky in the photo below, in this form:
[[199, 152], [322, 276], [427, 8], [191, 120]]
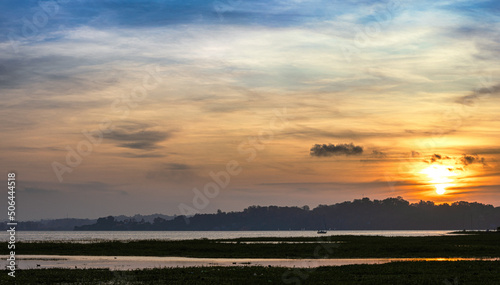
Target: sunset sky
[[284, 102]]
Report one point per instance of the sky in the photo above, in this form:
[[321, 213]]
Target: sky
[[184, 107]]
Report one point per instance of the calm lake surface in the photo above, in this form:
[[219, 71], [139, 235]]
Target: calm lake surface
[[82, 236]]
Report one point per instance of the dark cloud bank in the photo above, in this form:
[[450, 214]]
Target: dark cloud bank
[[138, 137], [325, 150]]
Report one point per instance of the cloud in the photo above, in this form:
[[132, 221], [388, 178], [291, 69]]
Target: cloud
[[435, 132], [49, 188], [153, 13], [173, 172], [142, 155], [460, 162], [94, 186], [415, 153], [147, 145], [137, 137], [34, 67], [485, 150], [467, 159], [176, 166], [378, 154], [436, 157], [51, 104], [35, 190], [323, 150], [368, 184], [306, 132], [471, 98]]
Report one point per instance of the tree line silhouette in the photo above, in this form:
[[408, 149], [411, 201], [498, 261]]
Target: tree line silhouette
[[360, 214]]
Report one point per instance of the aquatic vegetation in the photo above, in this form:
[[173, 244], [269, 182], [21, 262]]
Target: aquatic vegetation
[[479, 245], [460, 272]]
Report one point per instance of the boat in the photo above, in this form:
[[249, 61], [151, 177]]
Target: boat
[[322, 232]]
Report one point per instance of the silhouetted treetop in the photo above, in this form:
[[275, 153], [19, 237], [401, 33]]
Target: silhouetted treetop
[[360, 214]]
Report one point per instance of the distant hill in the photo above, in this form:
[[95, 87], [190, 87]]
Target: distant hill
[[360, 214], [70, 224]]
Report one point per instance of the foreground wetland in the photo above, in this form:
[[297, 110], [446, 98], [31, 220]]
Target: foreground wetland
[[463, 245], [474, 260], [404, 273]]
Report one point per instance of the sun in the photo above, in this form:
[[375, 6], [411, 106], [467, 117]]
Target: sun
[[440, 177], [440, 189]]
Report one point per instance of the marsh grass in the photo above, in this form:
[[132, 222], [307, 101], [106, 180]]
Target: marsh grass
[[477, 245], [458, 272]]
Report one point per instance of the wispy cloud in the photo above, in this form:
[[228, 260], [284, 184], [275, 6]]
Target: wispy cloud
[[378, 154], [35, 190], [173, 172], [471, 98]]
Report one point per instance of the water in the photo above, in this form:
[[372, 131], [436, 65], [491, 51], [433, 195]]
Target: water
[[83, 236], [143, 262]]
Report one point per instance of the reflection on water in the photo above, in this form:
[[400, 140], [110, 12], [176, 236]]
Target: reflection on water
[[142, 262], [89, 236]]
